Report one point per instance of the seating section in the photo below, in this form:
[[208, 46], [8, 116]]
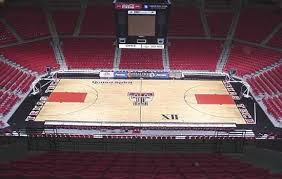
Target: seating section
[[256, 23], [96, 165], [185, 21], [89, 53], [269, 82], [194, 54], [219, 23], [7, 101], [276, 40], [248, 59], [5, 35], [14, 79], [274, 106], [141, 59], [98, 20], [65, 21], [34, 56], [29, 22]]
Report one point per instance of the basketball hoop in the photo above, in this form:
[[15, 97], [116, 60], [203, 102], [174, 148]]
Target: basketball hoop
[[231, 74], [230, 79], [245, 93]]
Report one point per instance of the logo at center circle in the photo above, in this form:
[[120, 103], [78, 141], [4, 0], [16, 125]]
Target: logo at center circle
[[140, 99]]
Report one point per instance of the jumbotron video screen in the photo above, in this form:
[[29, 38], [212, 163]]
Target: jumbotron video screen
[[141, 25]]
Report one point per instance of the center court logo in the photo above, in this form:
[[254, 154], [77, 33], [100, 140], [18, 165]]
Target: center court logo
[[140, 99]]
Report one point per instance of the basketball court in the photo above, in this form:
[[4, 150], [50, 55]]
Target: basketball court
[[172, 102]]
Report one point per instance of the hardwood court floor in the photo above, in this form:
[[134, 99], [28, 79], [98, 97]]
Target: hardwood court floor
[[109, 101]]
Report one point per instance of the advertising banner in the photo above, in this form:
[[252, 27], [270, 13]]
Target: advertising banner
[[138, 74], [120, 5], [120, 74], [156, 75], [106, 74]]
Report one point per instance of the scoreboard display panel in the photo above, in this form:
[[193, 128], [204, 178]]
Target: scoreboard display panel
[[141, 23]]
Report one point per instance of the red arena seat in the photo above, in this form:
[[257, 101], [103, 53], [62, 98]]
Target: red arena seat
[[276, 40], [14, 79], [32, 21], [7, 101], [5, 35], [34, 56], [89, 53], [248, 59], [92, 15], [185, 21], [64, 161], [65, 21], [194, 54], [219, 23], [141, 59], [257, 22], [274, 106]]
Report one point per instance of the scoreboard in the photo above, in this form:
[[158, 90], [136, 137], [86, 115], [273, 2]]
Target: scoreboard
[[141, 24]]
